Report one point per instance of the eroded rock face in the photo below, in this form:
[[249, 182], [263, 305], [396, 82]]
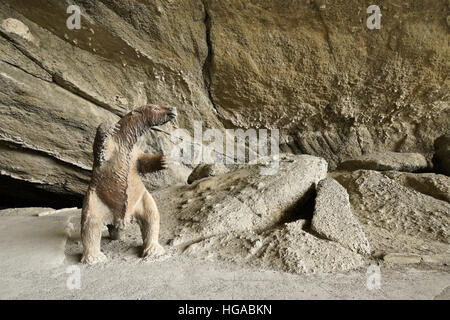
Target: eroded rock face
[[339, 89], [383, 161], [333, 218], [58, 84], [282, 64]]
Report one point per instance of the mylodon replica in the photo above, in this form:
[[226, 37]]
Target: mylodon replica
[[116, 192]]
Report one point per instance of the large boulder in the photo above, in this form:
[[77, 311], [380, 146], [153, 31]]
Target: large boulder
[[238, 201], [333, 218], [431, 184], [379, 201], [382, 161], [402, 214], [248, 218]]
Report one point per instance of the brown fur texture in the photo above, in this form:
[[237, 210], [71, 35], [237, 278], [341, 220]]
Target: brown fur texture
[[116, 192]]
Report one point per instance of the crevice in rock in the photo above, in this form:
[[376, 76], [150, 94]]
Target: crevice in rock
[[16, 193], [303, 210], [22, 69], [18, 145], [327, 31], [206, 69]]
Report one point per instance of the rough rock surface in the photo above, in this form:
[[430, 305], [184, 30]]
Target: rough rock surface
[[382, 161], [431, 184], [333, 218], [402, 258], [207, 170], [382, 202], [385, 242], [287, 248], [58, 84], [249, 218], [285, 64], [442, 154], [396, 218], [241, 200], [280, 64]]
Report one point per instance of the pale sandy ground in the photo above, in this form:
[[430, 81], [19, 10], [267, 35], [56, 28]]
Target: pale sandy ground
[[25, 274]]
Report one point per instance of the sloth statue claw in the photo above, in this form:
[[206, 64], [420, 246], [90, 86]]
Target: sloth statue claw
[[92, 259], [116, 192], [154, 249]]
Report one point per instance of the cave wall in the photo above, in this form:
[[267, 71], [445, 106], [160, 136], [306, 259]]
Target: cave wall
[[337, 88], [309, 68]]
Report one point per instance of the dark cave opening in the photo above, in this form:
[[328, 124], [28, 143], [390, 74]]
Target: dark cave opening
[[19, 194], [302, 210]]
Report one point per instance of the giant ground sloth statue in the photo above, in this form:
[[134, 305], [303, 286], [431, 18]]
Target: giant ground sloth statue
[[116, 192]]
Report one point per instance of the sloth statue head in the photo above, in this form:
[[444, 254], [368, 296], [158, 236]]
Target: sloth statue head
[[155, 115]]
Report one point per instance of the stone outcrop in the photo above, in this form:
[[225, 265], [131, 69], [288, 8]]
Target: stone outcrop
[[431, 184], [57, 85], [337, 89], [380, 201], [397, 218], [248, 218], [333, 218], [239, 201], [383, 161], [402, 258]]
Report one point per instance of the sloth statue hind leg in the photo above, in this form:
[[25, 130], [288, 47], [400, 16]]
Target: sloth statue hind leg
[[92, 216], [114, 232], [147, 215]]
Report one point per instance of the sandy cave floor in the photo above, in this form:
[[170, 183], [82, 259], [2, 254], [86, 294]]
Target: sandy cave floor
[[37, 255]]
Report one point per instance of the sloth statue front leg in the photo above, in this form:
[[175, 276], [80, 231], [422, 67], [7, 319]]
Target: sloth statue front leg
[[147, 215], [91, 228], [148, 163]]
